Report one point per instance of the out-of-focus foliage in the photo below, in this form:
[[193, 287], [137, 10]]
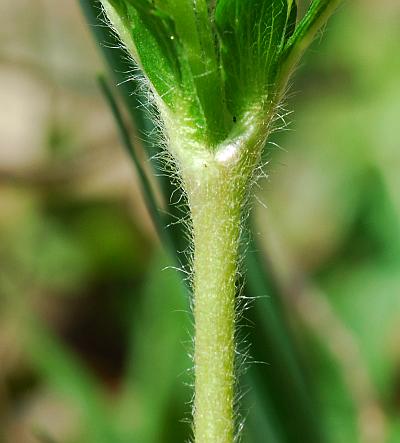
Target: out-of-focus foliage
[[94, 336]]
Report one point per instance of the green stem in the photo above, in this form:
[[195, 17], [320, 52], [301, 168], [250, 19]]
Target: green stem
[[216, 182], [216, 230]]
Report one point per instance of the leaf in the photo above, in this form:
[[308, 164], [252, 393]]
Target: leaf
[[250, 35], [317, 15], [193, 26], [174, 44], [291, 21], [147, 33]]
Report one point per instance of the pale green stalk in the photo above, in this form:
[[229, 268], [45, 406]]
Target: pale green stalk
[[216, 184], [216, 230]]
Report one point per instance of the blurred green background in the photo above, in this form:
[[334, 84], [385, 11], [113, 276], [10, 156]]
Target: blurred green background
[[94, 329]]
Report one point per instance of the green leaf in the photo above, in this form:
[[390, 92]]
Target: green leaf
[[147, 32], [251, 33], [292, 19], [174, 44], [194, 29], [317, 15]]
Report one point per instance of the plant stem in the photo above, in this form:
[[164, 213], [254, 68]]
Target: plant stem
[[216, 182], [216, 226], [215, 197]]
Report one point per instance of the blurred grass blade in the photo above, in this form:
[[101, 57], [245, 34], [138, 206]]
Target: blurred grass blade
[[120, 65], [283, 379], [262, 421], [156, 358], [147, 190]]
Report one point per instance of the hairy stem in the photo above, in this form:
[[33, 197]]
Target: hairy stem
[[216, 222], [215, 194], [216, 183]]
